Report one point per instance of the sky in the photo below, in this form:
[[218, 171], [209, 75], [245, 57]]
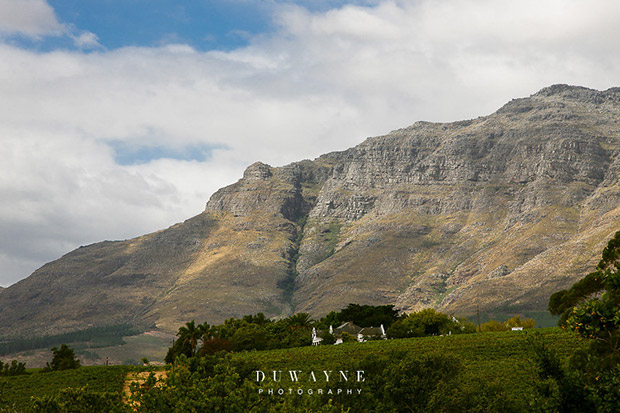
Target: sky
[[121, 117]]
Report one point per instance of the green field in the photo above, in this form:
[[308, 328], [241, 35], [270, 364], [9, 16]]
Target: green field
[[503, 358], [16, 392]]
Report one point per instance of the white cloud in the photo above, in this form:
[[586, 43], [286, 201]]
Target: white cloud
[[32, 18], [86, 40], [322, 82]]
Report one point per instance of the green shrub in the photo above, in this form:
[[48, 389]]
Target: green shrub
[[14, 368], [63, 359], [79, 400]]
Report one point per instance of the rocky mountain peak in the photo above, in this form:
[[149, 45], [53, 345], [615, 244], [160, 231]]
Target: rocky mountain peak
[[579, 93], [257, 171], [493, 213], [565, 90]]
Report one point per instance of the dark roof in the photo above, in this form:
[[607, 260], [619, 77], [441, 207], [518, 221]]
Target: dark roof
[[371, 331], [351, 328], [347, 327]]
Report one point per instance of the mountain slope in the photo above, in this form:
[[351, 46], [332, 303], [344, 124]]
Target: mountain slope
[[493, 213]]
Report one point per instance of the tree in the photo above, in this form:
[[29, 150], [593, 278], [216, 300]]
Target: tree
[[559, 388], [404, 382], [517, 321], [205, 332], [14, 368], [250, 337], [213, 345], [259, 319], [190, 334], [591, 307], [63, 359], [331, 319], [328, 338], [427, 322], [299, 320], [492, 325], [369, 315], [348, 338]]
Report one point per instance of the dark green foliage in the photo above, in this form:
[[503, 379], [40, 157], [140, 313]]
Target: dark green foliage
[[409, 383], [331, 319], [4, 403], [170, 355], [18, 390], [590, 308], [466, 373], [605, 279], [362, 315], [463, 394], [492, 325], [605, 392], [252, 332], [515, 321], [289, 284], [205, 384], [559, 388], [80, 400], [348, 338], [213, 345], [14, 368], [189, 337], [428, 322], [251, 337], [564, 300], [258, 319], [63, 359], [475, 372], [257, 332], [328, 338], [299, 320], [95, 336]]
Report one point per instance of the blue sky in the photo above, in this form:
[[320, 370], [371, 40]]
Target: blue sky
[[119, 118], [204, 25]]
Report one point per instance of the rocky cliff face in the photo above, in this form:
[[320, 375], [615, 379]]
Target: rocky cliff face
[[494, 213]]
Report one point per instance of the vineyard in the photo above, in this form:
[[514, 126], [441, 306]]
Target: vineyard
[[16, 392], [501, 359], [504, 357]]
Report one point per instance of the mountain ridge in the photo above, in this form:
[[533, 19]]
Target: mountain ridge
[[460, 216]]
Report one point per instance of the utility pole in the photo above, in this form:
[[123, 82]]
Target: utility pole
[[478, 315]]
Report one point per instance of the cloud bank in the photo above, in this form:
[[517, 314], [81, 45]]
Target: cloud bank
[[104, 144], [31, 18]]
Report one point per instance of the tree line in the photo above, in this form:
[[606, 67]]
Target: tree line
[[257, 332], [99, 336]]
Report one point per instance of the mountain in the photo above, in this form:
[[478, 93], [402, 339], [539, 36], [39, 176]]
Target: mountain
[[491, 214]]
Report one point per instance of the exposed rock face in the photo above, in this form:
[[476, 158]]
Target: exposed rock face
[[495, 213]]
